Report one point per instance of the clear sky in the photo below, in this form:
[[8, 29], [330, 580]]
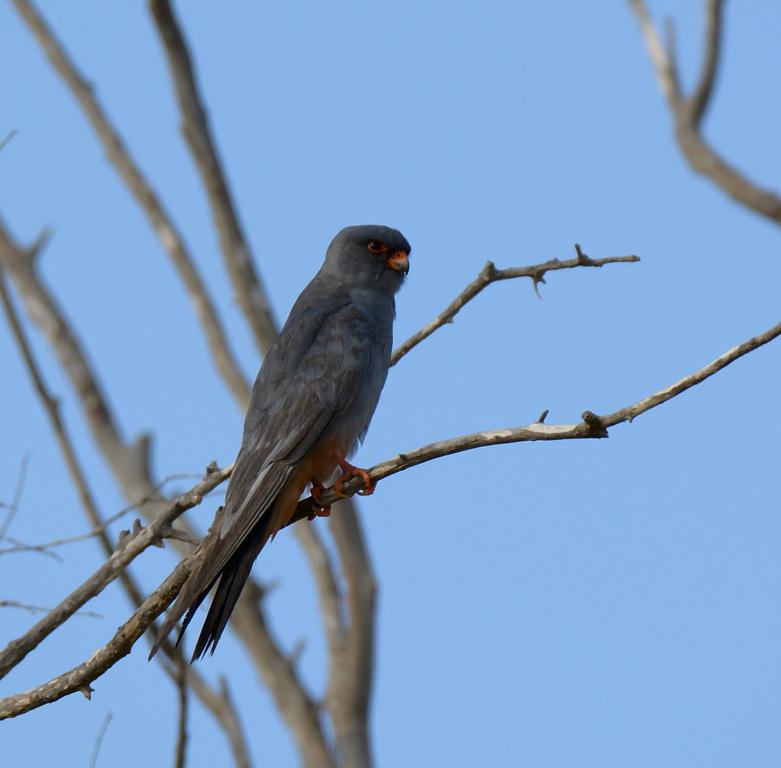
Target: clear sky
[[594, 603]]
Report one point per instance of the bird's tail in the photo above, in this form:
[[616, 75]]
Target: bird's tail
[[230, 580]]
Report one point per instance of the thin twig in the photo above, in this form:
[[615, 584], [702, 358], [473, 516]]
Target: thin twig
[[4, 141], [490, 274], [41, 609], [235, 733], [22, 546], [99, 740], [98, 529], [13, 507]]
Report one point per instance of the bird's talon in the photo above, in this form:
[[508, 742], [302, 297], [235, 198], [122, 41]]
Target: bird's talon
[[318, 509], [350, 471]]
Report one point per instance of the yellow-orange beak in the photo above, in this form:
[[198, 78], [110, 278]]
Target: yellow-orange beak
[[398, 261]]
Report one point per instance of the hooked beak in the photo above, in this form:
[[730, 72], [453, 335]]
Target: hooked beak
[[399, 262]]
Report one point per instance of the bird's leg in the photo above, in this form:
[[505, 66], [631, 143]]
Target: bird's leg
[[348, 472], [318, 510]]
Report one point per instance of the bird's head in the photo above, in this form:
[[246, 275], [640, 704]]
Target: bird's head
[[370, 255]]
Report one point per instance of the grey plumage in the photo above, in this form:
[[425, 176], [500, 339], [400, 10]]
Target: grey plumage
[[313, 399]]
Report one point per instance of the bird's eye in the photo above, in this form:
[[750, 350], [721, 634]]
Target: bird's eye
[[375, 246]]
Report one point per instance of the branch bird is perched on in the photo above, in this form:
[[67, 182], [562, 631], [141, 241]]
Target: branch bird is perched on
[[311, 403]]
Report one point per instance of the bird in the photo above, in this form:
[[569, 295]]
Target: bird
[[311, 404]]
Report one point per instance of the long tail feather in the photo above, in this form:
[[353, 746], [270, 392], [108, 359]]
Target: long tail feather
[[232, 580]]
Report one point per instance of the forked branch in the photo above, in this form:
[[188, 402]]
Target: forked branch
[[688, 112], [490, 274]]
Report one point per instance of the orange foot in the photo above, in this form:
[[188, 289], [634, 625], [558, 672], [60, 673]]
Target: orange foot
[[348, 472], [318, 510]]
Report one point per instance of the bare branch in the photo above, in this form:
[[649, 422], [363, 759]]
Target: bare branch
[[97, 530], [225, 709], [41, 609], [4, 141], [250, 292], [352, 670], [13, 507], [22, 546], [51, 405], [80, 677], [99, 740], [700, 98], [294, 703], [220, 705], [662, 60], [180, 756], [130, 547], [591, 426], [327, 587], [219, 708], [147, 198], [490, 274], [688, 113]]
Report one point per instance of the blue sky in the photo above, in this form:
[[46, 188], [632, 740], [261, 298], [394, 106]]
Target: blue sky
[[593, 603]]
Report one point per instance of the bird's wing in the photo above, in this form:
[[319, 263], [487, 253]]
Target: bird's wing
[[297, 401], [312, 375]]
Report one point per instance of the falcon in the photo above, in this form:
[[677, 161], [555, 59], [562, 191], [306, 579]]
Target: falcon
[[311, 403]]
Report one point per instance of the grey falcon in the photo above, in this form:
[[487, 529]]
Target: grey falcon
[[311, 403]]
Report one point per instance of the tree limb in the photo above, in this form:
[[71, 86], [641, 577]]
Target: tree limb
[[591, 426], [250, 293], [352, 670], [80, 677], [146, 197], [328, 590], [490, 274], [129, 548], [180, 755], [701, 96], [211, 701], [689, 112]]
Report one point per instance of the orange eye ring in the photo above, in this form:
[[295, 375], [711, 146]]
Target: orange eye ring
[[375, 246]]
